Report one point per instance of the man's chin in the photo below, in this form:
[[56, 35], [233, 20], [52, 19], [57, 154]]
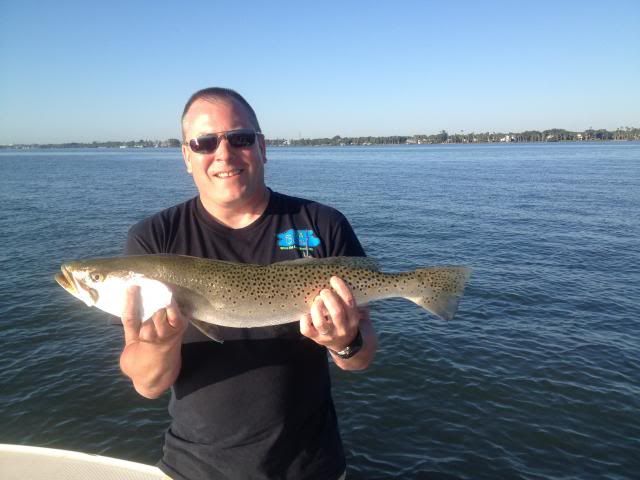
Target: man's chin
[[239, 196]]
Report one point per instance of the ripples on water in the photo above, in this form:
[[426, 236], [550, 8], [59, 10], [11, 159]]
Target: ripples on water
[[537, 377]]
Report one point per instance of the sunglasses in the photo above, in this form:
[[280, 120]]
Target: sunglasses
[[208, 143]]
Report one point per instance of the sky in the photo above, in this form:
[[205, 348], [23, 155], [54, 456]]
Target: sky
[[122, 70]]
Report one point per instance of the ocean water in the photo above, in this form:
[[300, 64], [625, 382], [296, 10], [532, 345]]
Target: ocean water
[[538, 376]]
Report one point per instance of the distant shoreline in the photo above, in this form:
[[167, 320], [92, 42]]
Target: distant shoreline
[[530, 136]]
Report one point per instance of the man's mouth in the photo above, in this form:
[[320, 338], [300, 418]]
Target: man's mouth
[[229, 173]]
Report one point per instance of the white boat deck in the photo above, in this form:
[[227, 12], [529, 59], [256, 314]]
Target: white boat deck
[[18, 462]]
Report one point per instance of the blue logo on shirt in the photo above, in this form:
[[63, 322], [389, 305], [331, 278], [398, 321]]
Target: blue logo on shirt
[[300, 239]]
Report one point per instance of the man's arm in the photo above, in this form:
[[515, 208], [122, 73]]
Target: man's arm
[[334, 322], [151, 355]]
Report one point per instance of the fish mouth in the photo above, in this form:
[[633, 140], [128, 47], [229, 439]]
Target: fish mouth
[[65, 280], [76, 288]]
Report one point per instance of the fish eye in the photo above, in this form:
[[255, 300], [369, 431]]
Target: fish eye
[[96, 277]]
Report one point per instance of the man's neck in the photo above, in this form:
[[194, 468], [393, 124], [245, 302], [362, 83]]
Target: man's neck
[[238, 216]]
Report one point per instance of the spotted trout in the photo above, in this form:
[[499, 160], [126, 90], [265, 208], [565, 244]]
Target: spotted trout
[[212, 292]]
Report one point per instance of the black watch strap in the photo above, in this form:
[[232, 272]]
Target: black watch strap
[[351, 349]]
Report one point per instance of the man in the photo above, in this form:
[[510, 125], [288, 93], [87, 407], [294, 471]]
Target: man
[[258, 405]]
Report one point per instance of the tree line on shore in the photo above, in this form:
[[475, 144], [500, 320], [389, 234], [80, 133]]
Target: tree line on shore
[[169, 143], [552, 135]]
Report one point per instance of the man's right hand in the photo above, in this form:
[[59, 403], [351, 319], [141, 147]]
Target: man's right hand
[[164, 328], [151, 356]]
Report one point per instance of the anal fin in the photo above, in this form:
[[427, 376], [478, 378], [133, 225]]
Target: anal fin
[[209, 329]]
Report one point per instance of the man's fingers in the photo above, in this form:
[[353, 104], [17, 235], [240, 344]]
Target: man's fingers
[[319, 316], [347, 303], [131, 320], [333, 318], [306, 327], [163, 326], [169, 321], [148, 332], [336, 311], [160, 323], [175, 319], [343, 291]]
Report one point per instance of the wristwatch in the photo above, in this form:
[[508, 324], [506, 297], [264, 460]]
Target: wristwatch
[[351, 349]]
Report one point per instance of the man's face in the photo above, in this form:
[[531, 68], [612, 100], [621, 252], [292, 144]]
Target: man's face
[[229, 177]]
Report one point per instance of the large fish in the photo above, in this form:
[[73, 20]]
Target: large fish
[[213, 292]]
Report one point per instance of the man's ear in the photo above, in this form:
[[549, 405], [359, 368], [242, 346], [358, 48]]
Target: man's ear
[[263, 147], [185, 157]]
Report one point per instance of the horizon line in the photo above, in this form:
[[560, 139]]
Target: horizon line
[[461, 133]]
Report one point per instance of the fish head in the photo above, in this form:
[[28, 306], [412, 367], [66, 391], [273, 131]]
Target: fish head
[[91, 282], [103, 282]]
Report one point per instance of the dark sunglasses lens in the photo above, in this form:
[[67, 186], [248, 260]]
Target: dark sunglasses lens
[[241, 139], [204, 144]]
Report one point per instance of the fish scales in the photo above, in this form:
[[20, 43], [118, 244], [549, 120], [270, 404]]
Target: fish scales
[[245, 296]]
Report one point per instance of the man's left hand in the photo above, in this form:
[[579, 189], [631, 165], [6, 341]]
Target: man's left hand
[[334, 318]]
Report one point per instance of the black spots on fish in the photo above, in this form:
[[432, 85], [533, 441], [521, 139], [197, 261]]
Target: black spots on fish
[[402, 284], [358, 280], [436, 285], [278, 285]]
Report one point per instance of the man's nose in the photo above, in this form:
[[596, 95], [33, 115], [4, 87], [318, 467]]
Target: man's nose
[[223, 151]]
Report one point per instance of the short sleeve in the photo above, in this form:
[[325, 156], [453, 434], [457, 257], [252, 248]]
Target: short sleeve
[[140, 241], [344, 241]]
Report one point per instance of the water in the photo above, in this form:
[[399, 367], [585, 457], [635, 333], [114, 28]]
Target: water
[[537, 377]]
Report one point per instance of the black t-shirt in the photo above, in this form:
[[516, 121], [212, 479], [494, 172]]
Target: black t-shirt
[[257, 406]]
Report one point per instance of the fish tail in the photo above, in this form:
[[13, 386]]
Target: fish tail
[[438, 289]]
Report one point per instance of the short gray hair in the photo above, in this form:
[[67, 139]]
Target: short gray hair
[[219, 93]]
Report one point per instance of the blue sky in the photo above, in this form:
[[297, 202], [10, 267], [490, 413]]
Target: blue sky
[[83, 71]]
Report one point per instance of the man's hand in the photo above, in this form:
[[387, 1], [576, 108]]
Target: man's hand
[[164, 328], [334, 321], [151, 356]]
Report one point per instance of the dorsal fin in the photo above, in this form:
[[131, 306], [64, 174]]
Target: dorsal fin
[[365, 263]]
